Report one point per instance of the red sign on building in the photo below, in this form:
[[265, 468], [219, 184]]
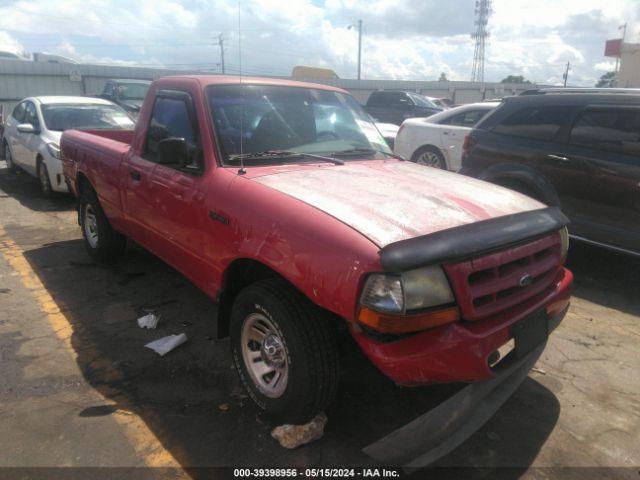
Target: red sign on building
[[612, 48]]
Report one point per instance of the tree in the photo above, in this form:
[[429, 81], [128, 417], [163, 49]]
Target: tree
[[443, 77], [606, 80], [515, 79]]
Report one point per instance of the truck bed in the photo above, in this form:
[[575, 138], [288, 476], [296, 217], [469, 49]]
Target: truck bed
[[98, 155]]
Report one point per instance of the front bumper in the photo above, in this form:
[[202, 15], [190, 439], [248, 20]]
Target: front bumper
[[459, 352], [440, 430]]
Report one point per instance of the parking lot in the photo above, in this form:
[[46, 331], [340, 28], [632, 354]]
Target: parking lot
[[80, 390]]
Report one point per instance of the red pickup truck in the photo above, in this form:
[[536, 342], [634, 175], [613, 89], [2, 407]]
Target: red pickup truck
[[283, 203]]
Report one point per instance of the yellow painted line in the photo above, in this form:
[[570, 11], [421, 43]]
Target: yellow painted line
[[142, 439]]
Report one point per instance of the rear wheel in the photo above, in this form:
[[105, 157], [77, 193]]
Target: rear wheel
[[101, 241], [284, 350], [43, 179], [429, 157]]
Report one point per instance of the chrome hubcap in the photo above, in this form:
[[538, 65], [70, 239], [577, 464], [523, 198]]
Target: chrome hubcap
[[429, 159], [264, 355], [91, 226]]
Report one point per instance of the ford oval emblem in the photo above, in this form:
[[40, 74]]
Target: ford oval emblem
[[525, 280]]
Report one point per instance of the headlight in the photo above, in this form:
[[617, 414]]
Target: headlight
[[564, 241], [54, 150], [426, 287], [414, 290], [383, 293]]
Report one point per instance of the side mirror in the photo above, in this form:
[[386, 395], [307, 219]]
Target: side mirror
[[27, 128], [173, 151]]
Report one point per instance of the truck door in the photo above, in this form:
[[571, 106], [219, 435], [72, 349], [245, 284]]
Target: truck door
[[178, 214], [606, 140]]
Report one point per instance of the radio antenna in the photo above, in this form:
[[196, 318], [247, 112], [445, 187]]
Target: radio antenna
[[242, 171]]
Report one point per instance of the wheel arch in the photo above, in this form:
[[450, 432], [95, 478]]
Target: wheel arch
[[240, 273], [83, 183], [525, 176]]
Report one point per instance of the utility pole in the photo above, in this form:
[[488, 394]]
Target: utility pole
[[359, 48], [221, 45], [566, 74], [622, 27]]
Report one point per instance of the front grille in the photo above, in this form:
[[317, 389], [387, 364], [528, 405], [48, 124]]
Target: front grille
[[490, 284]]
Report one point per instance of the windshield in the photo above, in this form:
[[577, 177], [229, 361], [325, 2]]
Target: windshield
[[305, 120], [132, 91], [422, 101], [61, 117]]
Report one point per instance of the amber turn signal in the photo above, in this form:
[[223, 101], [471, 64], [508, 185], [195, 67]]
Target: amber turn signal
[[386, 323]]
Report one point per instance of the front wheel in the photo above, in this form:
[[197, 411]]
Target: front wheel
[[8, 158], [284, 350], [44, 180], [101, 241]]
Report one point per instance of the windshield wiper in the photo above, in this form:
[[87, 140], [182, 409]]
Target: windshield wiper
[[284, 153], [363, 150]]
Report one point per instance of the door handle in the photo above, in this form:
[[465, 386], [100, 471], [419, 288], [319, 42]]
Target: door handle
[[135, 174], [559, 158], [446, 133]]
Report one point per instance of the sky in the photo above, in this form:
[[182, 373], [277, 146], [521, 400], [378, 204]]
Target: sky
[[402, 39]]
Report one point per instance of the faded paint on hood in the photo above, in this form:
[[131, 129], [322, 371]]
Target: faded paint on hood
[[392, 201]]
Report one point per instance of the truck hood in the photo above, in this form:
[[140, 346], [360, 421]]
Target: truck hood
[[394, 200]]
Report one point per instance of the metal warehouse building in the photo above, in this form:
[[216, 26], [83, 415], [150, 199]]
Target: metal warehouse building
[[21, 78]]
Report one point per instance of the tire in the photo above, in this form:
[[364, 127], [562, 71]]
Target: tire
[[101, 241], [285, 333], [8, 157], [43, 179], [429, 157]]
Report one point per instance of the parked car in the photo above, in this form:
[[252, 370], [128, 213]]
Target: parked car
[[32, 133], [437, 141], [127, 93], [390, 106], [578, 151], [442, 102], [388, 132], [282, 202]]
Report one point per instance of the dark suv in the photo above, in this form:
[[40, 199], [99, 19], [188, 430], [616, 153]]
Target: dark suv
[[391, 106], [580, 151]]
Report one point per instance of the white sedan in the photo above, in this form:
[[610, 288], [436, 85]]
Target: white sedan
[[436, 141], [32, 133]]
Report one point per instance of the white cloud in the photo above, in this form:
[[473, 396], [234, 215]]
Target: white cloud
[[11, 45], [410, 39], [604, 66]]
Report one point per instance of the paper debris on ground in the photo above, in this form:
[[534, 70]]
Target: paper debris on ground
[[164, 345], [292, 436], [150, 320]]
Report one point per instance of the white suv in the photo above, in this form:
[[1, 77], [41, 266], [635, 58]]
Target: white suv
[[32, 133]]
